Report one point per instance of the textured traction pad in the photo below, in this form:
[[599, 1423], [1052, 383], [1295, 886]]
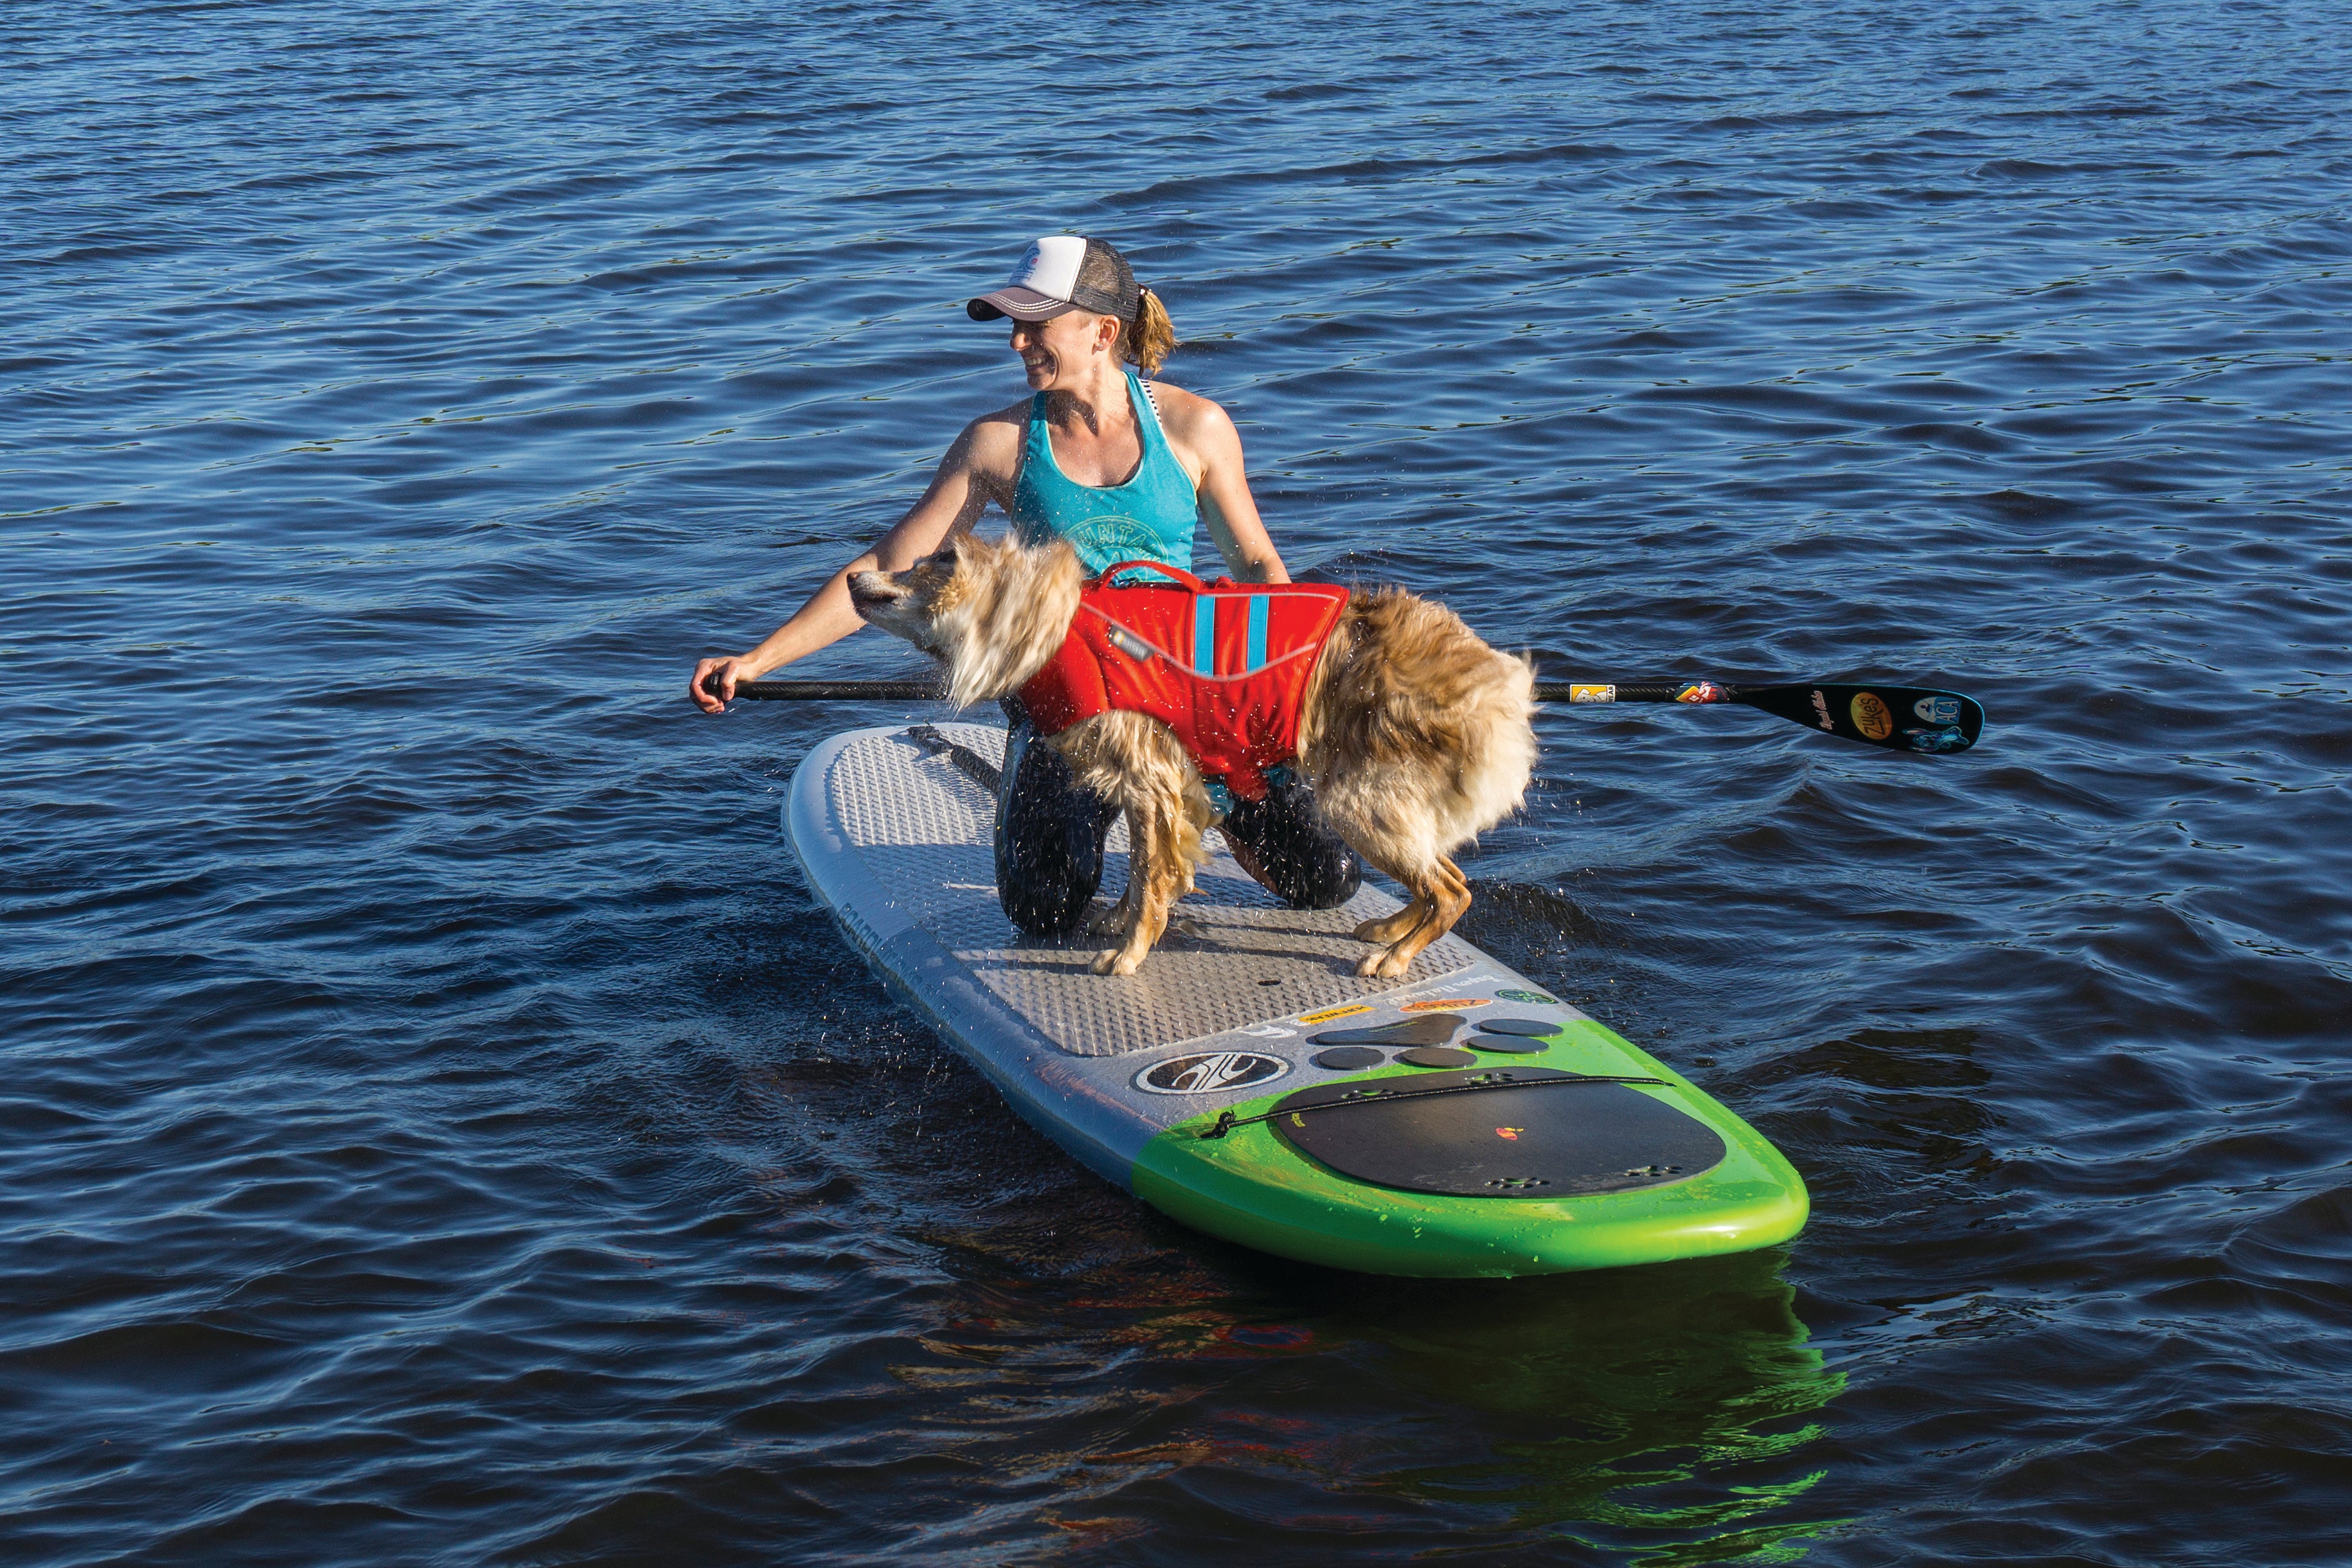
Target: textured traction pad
[[1233, 955]]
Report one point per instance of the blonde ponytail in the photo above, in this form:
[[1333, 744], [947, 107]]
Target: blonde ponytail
[[1147, 339]]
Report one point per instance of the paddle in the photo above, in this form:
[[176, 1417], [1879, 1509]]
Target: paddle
[[1898, 718]]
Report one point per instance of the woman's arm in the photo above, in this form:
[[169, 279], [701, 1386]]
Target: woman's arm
[[1202, 432], [966, 481]]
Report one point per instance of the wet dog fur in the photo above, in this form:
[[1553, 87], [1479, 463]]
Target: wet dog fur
[[1416, 736]]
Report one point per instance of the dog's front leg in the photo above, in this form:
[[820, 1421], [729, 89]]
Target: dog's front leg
[[1150, 885], [1120, 916]]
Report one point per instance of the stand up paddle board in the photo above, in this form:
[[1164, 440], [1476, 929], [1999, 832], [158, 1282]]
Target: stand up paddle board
[[1459, 1121]]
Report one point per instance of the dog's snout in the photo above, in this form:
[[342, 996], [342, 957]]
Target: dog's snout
[[873, 588]]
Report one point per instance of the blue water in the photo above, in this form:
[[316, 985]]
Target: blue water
[[441, 1128]]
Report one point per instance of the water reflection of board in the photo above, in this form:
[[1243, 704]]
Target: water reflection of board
[[1456, 1122]]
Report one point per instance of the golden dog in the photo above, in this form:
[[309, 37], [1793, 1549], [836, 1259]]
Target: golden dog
[[1416, 736]]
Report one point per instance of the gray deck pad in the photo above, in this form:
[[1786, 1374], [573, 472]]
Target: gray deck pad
[[921, 828]]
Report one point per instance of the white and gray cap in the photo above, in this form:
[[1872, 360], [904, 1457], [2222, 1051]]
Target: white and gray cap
[[1064, 272]]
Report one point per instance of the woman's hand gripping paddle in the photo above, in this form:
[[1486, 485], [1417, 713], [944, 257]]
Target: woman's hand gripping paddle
[[1899, 717]]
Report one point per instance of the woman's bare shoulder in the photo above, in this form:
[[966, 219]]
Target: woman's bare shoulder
[[1188, 416], [992, 443]]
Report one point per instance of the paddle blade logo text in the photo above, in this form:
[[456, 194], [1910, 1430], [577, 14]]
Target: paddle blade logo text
[[1871, 716], [1210, 1071], [1938, 709]]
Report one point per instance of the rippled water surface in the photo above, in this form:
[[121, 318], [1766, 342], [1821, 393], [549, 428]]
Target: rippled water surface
[[441, 1127]]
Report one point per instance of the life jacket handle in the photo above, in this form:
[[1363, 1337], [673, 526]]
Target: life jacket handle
[[1161, 566]]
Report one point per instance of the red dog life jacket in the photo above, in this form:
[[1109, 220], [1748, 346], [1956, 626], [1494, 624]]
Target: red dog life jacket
[[1223, 664]]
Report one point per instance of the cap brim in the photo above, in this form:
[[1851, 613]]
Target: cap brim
[[1020, 304]]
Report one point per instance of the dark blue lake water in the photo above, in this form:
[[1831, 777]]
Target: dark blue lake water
[[441, 1127]]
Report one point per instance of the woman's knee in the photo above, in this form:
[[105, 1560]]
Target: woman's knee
[[1049, 838], [1284, 842]]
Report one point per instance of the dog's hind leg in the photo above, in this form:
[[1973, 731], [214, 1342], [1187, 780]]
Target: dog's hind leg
[[1387, 928], [1440, 895], [1448, 894]]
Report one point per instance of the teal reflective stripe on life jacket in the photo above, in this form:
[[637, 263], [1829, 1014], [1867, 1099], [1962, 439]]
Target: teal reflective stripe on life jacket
[[1152, 517]]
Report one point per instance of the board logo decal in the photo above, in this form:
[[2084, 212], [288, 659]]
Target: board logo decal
[[1442, 1004], [1822, 711], [1702, 691], [1871, 716], [1210, 1070], [1537, 997], [1581, 693], [1329, 1013]]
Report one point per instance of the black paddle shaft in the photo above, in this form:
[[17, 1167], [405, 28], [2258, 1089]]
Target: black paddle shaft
[[1897, 718], [837, 690]]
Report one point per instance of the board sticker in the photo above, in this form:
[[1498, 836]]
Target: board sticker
[[1209, 1070], [1537, 997], [1329, 1013], [1439, 1005]]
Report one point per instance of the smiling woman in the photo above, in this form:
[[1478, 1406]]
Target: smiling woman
[[1122, 470], [1094, 456]]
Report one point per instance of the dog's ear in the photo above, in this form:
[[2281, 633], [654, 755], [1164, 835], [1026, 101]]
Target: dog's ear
[[1014, 619]]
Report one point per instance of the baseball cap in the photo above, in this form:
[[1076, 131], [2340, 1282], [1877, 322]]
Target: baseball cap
[[1063, 272]]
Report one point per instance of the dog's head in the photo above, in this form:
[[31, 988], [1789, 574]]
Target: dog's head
[[993, 612]]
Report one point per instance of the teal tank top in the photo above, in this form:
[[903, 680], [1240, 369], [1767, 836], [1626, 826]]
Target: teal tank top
[[1152, 517]]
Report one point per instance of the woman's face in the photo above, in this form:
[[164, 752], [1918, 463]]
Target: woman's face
[[1058, 350]]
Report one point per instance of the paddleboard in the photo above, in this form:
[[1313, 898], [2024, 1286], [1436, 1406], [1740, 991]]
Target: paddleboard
[[1457, 1121]]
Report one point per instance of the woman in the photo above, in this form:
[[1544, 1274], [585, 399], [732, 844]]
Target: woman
[[1124, 470]]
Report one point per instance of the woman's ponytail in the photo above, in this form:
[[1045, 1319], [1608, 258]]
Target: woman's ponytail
[[1151, 336]]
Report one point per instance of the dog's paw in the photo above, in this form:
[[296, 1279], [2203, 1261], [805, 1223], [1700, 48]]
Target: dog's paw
[[1387, 965], [1104, 961]]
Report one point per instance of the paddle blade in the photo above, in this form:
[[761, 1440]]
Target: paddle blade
[[1899, 717]]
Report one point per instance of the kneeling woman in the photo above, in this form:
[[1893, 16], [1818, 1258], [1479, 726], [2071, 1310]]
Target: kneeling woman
[[1124, 470]]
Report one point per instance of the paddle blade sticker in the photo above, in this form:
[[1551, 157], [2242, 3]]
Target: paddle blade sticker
[[1897, 718]]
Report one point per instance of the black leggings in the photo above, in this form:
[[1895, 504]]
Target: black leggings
[[1050, 831]]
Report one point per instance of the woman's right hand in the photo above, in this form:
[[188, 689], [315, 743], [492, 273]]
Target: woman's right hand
[[714, 682]]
